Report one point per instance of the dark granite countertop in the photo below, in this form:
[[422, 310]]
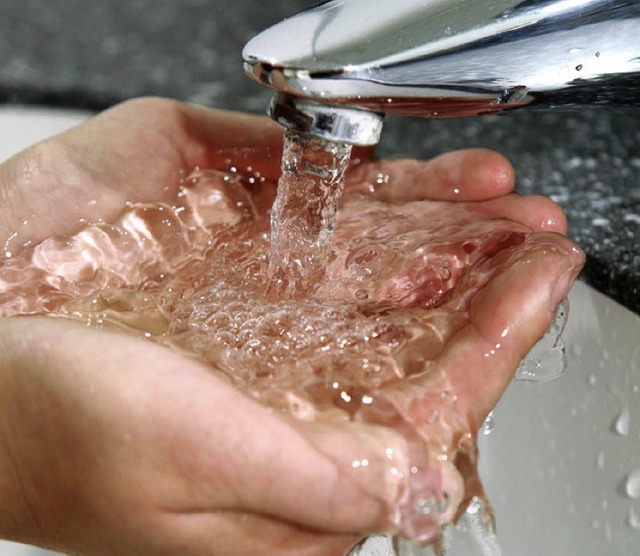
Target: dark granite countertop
[[91, 54]]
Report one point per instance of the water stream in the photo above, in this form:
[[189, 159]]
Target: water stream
[[303, 216]]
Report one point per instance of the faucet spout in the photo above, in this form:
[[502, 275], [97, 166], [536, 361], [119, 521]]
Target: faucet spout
[[442, 58], [342, 123]]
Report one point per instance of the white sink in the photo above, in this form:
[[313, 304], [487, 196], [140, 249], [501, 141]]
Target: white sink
[[557, 463]]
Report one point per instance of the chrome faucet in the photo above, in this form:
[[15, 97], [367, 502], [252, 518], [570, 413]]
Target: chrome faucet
[[339, 67]]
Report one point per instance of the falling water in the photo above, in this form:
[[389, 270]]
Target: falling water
[[303, 217]]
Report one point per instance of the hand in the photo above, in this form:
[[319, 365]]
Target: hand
[[113, 445]]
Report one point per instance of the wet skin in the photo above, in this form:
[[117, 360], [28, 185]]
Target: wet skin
[[113, 445]]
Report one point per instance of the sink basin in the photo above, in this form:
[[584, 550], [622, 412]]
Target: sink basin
[[562, 464]]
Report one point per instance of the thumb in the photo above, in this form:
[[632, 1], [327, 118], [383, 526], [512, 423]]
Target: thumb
[[358, 477]]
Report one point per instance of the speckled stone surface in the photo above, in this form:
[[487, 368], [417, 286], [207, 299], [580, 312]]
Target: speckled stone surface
[[91, 54]]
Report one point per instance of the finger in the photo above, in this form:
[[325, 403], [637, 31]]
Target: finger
[[343, 477], [161, 432], [177, 135], [538, 213], [466, 175], [446, 402], [507, 318], [352, 478], [245, 534], [225, 139], [136, 151], [327, 477], [210, 448]]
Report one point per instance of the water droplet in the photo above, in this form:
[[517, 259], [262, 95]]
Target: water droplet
[[578, 67], [632, 484], [592, 380], [575, 50], [426, 506], [621, 424], [577, 350], [600, 461], [608, 533], [382, 178], [488, 425], [632, 519]]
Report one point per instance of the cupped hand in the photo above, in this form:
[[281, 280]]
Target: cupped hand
[[114, 445]]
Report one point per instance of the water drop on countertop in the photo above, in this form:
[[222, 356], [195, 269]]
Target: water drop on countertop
[[632, 485], [632, 519], [621, 424]]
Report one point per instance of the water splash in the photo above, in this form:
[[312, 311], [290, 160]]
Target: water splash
[[194, 276], [488, 425], [547, 360]]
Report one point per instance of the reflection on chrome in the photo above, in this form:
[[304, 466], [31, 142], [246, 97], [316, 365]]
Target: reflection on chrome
[[440, 58]]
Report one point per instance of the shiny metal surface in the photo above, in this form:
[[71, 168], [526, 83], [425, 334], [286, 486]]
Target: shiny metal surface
[[361, 127], [441, 58]]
